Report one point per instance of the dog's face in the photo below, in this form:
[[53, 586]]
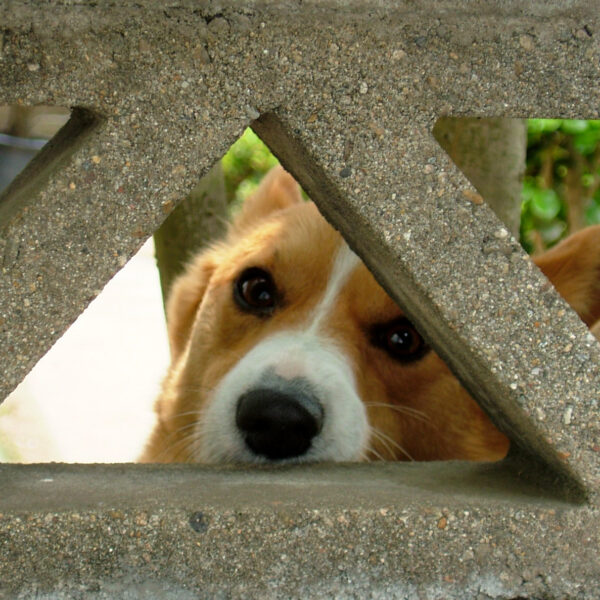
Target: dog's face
[[286, 349]]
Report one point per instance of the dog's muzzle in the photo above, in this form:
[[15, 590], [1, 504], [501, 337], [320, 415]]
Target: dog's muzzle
[[279, 423]]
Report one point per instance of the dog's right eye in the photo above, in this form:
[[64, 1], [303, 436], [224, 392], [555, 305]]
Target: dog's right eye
[[400, 340], [254, 291]]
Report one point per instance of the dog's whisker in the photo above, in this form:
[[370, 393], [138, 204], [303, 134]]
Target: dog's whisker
[[203, 389], [386, 440], [190, 413], [180, 448], [407, 410], [377, 435], [167, 449], [374, 452], [175, 442], [195, 446], [185, 428]]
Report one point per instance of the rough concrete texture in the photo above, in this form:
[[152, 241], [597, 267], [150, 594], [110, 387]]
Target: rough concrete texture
[[347, 95], [478, 146], [349, 531]]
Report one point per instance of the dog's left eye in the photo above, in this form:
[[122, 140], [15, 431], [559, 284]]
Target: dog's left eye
[[400, 340], [254, 291]]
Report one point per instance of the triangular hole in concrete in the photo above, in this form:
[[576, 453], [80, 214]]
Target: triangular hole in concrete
[[90, 398], [205, 182], [532, 454]]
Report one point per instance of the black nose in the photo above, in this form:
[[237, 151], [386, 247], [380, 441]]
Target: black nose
[[278, 425]]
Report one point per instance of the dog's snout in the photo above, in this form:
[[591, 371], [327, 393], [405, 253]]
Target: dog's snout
[[276, 424]]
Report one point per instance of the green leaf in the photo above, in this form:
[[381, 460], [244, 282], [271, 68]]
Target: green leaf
[[592, 214], [585, 142], [543, 125], [573, 126], [545, 204]]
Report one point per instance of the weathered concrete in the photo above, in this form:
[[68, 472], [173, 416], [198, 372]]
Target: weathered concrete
[[491, 152], [347, 97], [375, 531]]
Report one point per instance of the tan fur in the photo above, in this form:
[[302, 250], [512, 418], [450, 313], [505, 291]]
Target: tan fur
[[420, 406], [574, 268]]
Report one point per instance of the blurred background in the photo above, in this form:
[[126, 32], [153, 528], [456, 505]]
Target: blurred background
[[90, 399], [561, 188]]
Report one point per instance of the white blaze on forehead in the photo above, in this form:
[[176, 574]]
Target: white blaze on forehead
[[345, 263]]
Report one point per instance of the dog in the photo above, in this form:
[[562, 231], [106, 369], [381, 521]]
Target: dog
[[286, 350]]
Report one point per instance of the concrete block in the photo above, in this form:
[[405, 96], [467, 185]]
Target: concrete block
[[406, 531], [346, 94]]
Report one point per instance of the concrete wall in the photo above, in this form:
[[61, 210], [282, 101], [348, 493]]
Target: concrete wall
[[346, 94]]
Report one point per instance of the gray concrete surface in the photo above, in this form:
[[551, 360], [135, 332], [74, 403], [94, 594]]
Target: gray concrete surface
[[349, 531], [347, 95]]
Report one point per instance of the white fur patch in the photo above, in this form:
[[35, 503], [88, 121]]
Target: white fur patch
[[344, 432], [345, 262], [308, 354]]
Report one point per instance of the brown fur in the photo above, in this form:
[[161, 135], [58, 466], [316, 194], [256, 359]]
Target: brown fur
[[420, 406]]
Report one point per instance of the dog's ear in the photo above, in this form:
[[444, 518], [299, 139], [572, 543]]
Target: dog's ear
[[276, 191], [596, 330], [573, 266], [184, 299]]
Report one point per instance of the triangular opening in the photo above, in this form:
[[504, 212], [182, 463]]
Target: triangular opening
[[31, 151], [533, 452], [270, 131], [91, 397], [542, 179], [56, 414]]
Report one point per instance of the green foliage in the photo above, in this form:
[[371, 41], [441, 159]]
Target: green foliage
[[244, 166], [561, 190]]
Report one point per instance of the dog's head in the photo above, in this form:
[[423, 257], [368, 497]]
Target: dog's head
[[285, 348]]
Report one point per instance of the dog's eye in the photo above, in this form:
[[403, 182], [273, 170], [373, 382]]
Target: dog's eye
[[255, 291], [400, 340]]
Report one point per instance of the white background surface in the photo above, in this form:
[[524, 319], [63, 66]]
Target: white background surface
[[90, 399]]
